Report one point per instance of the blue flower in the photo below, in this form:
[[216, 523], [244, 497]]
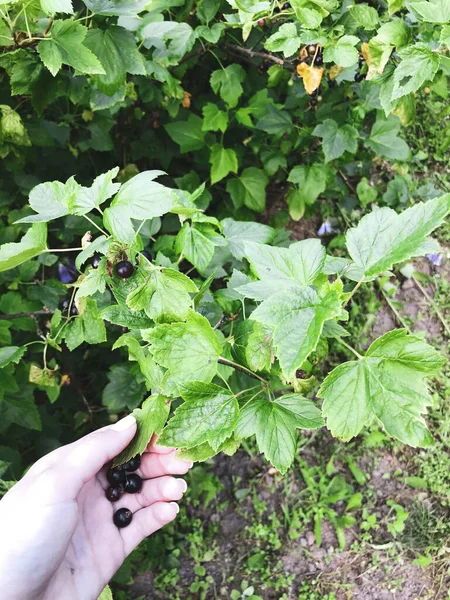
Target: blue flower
[[325, 229], [435, 258]]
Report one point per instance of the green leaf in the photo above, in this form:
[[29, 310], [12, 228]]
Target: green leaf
[[209, 414], [52, 200], [336, 140], [275, 424], [100, 244], [384, 139], [150, 419], [258, 351], [88, 327], [197, 351], [121, 315], [296, 319], [310, 18], [239, 232], [343, 51], [281, 269], [365, 16], [89, 198], [188, 134], [214, 119], [95, 281], [312, 181], [285, 40], [419, 64], [196, 247], [227, 83], [164, 296], [383, 237], [149, 369], [106, 593], [139, 198], [275, 121], [51, 7], [435, 11], [33, 243], [116, 49], [386, 384], [66, 47], [223, 161], [11, 354], [123, 390], [249, 189]]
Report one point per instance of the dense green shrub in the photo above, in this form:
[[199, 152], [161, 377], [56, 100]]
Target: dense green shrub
[[310, 95]]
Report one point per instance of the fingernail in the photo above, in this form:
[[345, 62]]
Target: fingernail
[[183, 485], [190, 463], [176, 506], [125, 423]]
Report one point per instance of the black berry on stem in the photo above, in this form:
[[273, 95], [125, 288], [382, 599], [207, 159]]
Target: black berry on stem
[[114, 493], [133, 484], [115, 477], [124, 269], [96, 260], [122, 517], [133, 464]]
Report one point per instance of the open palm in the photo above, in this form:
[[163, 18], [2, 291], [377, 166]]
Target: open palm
[[58, 537]]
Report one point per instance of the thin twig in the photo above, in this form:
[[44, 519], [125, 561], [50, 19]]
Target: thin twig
[[254, 54], [347, 181], [357, 354], [230, 363], [352, 293], [398, 316], [47, 29], [434, 305], [26, 314]]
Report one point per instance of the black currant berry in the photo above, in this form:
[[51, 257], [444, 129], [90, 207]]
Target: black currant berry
[[114, 493], [133, 484], [360, 61], [115, 476], [122, 517], [319, 60], [133, 464], [124, 269], [147, 254], [73, 310], [287, 6], [359, 77], [65, 305], [314, 93], [96, 260], [314, 102]]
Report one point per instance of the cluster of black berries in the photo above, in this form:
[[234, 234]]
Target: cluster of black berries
[[359, 76], [122, 480], [65, 306], [314, 101]]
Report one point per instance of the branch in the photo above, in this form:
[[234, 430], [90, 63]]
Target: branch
[[26, 314], [230, 363], [253, 54]]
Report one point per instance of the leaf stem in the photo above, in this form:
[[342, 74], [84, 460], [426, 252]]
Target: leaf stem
[[61, 250], [230, 363], [352, 293], [398, 316], [95, 225], [357, 354]]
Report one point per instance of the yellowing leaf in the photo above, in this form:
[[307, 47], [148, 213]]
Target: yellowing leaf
[[186, 102], [312, 76], [334, 71]]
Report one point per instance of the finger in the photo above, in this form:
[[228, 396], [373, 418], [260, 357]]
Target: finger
[[156, 465], [162, 489], [146, 521], [155, 449]]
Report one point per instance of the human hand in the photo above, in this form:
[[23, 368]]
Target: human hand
[[58, 540]]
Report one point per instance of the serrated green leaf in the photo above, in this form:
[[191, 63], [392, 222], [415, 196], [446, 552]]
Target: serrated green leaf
[[342, 51], [150, 419], [106, 594], [384, 139], [89, 198], [188, 134], [189, 351], [419, 64], [282, 268], [223, 161], [383, 237], [116, 49], [275, 122], [209, 414], [214, 119], [258, 351], [33, 243], [237, 233], [51, 7], [196, 247], [164, 296], [66, 47], [227, 83], [249, 189], [149, 369], [285, 40], [311, 181], [387, 384], [52, 200], [11, 354], [95, 281], [123, 316], [100, 244], [336, 140], [275, 425], [365, 16], [88, 327], [434, 11], [123, 389], [140, 198]]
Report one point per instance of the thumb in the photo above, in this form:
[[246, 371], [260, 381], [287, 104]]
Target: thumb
[[87, 456]]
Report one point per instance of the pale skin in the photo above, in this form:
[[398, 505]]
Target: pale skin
[[57, 537]]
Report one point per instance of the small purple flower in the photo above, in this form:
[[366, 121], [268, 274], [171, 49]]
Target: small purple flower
[[325, 229], [67, 274], [435, 258]]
